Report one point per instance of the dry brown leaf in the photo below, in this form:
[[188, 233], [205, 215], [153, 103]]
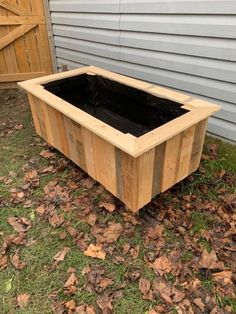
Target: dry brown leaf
[[162, 265], [19, 224], [144, 285], [108, 206], [60, 256], [223, 277], [85, 309], [46, 154], [168, 293], [70, 305], [105, 282], [87, 183], [22, 300], [56, 220], [91, 219], [3, 261], [70, 286], [210, 260], [40, 210], [48, 169], [199, 303], [95, 251], [155, 233], [109, 234], [15, 260]]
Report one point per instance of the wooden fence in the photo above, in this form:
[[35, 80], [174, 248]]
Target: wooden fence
[[24, 45]]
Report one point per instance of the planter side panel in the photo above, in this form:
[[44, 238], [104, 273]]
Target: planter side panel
[[178, 157]]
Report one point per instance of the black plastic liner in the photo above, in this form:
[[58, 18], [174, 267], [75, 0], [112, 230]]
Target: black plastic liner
[[125, 108]]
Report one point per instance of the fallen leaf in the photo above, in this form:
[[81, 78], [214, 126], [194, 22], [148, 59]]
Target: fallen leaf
[[162, 265], [144, 285], [85, 309], [3, 261], [41, 210], [199, 303], [56, 220], [19, 224], [95, 251], [87, 183], [8, 284], [108, 206], [109, 234], [47, 169], [223, 277], [15, 260], [155, 233], [105, 282], [46, 154], [70, 305], [22, 300], [60, 256], [70, 286], [210, 260], [169, 293]]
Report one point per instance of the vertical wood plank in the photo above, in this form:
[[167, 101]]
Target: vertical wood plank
[[89, 152], [126, 179], [42, 37], [185, 150], [170, 162], [145, 177], [104, 160], [34, 114], [158, 168], [56, 129], [30, 40], [197, 147], [75, 142]]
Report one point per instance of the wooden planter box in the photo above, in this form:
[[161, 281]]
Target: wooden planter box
[[135, 138]]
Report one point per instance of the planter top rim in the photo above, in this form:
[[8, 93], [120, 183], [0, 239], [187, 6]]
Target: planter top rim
[[134, 146]]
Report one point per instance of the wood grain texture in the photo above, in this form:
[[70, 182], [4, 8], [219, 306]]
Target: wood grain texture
[[135, 169], [24, 48], [197, 147]]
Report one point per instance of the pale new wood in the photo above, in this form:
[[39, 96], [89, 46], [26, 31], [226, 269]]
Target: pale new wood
[[89, 152], [16, 33], [11, 77], [130, 144], [170, 162], [133, 169], [13, 7], [18, 54], [34, 114], [145, 177], [24, 20], [185, 150], [104, 159]]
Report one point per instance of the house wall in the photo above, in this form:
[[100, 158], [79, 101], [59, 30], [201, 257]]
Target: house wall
[[186, 45]]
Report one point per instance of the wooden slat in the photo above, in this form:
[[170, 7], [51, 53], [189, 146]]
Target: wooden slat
[[144, 177], [24, 20], [89, 153], [13, 35], [184, 154], [126, 175], [43, 124], [56, 130], [197, 145], [170, 162], [14, 77], [75, 142], [8, 52], [104, 159], [33, 104], [42, 37], [158, 168], [13, 8]]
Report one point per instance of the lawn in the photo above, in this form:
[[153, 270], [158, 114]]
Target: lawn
[[176, 256]]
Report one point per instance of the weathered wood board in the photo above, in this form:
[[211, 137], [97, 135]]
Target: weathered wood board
[[134, 169]]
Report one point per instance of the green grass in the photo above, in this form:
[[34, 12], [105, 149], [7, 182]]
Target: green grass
[[17, 150]]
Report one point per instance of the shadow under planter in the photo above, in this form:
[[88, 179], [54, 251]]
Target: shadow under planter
[[135, 138]]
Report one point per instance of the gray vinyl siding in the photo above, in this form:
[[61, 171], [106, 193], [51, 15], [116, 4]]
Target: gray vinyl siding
[[186, 45]]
